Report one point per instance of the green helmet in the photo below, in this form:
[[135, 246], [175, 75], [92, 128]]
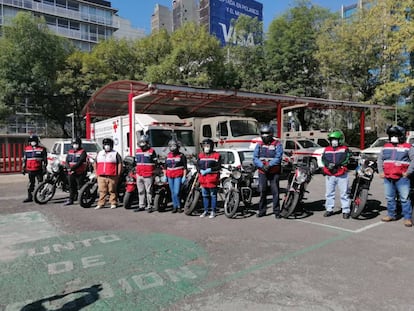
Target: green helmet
[[337, 134]]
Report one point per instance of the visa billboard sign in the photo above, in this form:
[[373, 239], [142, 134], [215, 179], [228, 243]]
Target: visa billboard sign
[[222, 12]]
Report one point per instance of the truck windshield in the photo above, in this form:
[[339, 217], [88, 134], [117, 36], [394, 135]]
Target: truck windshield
[[160, 138], [244, 127]]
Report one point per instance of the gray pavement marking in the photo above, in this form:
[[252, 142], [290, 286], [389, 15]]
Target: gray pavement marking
[[275, 261], [341, 228]]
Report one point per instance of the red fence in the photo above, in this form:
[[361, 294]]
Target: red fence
[[11, 157]]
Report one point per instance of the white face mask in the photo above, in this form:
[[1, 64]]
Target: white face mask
[[33, 143], [206, 149], [334, 143], [394, 140], [75, 146], [107, 148]]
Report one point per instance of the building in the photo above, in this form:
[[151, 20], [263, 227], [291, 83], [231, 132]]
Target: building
[[184, 11], [161, 19], [125, 29]]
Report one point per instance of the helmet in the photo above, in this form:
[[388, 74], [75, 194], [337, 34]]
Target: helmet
[[338, 135], [173, 145], [77, 141], [143, 142], [34, 138], [207, 145], [108, 141], [397, 131], [266, 133]]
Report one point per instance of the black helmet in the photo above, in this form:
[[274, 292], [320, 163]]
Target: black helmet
[[207, 142], [173, 145], [108, 141], [266, 133], [34, 138], [396, 131], [143, 142], [77, 140]]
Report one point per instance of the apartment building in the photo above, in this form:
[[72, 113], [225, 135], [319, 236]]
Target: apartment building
[[161, 18], [184, 11]]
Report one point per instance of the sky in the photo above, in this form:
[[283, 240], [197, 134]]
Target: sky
[[139, 11]]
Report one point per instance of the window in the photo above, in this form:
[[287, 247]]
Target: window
[[74, 25], [222, 129], [64, 23], [207, 131], [243, 127]]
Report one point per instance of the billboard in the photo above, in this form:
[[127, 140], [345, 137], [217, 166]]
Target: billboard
[[222, 12]]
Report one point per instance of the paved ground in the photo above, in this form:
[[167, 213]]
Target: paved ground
[[68, 258]]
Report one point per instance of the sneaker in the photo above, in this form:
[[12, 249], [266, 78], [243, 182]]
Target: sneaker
[[387, 219], [212, 215], [113, 206], [68, 202], [203, 215], [98, 207], [328, 214], [408, 222], [346, 215]]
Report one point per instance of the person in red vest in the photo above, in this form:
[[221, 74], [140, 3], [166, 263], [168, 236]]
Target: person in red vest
[[146, 159], [76, 164], [335, 159], [396, 166], [176, 169], [209, 166], [267, 157], [108, 168], [34, 163]]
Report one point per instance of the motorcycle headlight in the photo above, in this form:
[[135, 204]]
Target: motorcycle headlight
[[369, 171], [301, 176], [55, 165], [237, 174]]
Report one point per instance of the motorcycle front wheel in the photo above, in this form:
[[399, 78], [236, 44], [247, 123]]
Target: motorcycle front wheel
[[191, 201], [289, 204], [358, 205], [44, 192], [88, 194], [161, 200], [127, 200], [231, 203]]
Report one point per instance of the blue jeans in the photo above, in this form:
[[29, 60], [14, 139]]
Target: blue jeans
[[175, 186], [209, 194], [330, 186], [402, 186], [274, 187]]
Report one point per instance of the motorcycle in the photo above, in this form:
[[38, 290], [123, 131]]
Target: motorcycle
[[89, 191], [193, 196], [238, 189], [129, 182], [56, 178], [298, 180], [364, 174], [162, 193]]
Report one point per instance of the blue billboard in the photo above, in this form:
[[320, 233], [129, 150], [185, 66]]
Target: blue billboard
[[222, 12]]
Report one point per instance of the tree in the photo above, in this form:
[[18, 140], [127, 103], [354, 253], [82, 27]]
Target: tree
[[289, 54], [30, 57]]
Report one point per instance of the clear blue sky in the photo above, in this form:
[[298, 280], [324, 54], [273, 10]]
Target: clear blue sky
[[139, 11]]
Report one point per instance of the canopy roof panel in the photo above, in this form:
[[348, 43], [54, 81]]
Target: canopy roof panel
[[112, 100]]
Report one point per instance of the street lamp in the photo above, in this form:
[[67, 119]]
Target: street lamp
[[72, 115]]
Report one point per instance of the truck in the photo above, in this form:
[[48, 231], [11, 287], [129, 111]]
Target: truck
[[225, 131], [159, 128]]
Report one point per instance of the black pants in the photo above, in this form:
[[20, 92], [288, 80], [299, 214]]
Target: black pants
[[32, 180], [274, 187], [75, 183]]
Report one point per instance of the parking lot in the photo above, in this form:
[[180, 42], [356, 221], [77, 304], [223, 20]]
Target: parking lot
[[68, 258]]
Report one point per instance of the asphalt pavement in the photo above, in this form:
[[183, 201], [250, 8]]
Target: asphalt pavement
[[69, 258]]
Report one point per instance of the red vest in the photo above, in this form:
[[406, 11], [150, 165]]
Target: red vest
[[175, 165], [205, 161], [337, 156], [145, 162], [107, 163], [73, 159], [395, 160], [34, 157]]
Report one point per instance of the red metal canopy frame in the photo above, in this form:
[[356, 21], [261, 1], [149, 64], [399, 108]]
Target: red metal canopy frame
[[130, 97]]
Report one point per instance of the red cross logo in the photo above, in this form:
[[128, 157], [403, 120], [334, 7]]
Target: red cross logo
[[115, 126]]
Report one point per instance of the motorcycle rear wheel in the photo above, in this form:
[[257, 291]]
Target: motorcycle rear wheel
[[358, 205], [191, 201], [44, 192], [88, 194], [161, 200], [231, 203], [289, 204]]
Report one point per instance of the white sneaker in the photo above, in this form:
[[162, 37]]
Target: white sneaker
[[212, 215], [98, 206], [203, 215], [113, 206]]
